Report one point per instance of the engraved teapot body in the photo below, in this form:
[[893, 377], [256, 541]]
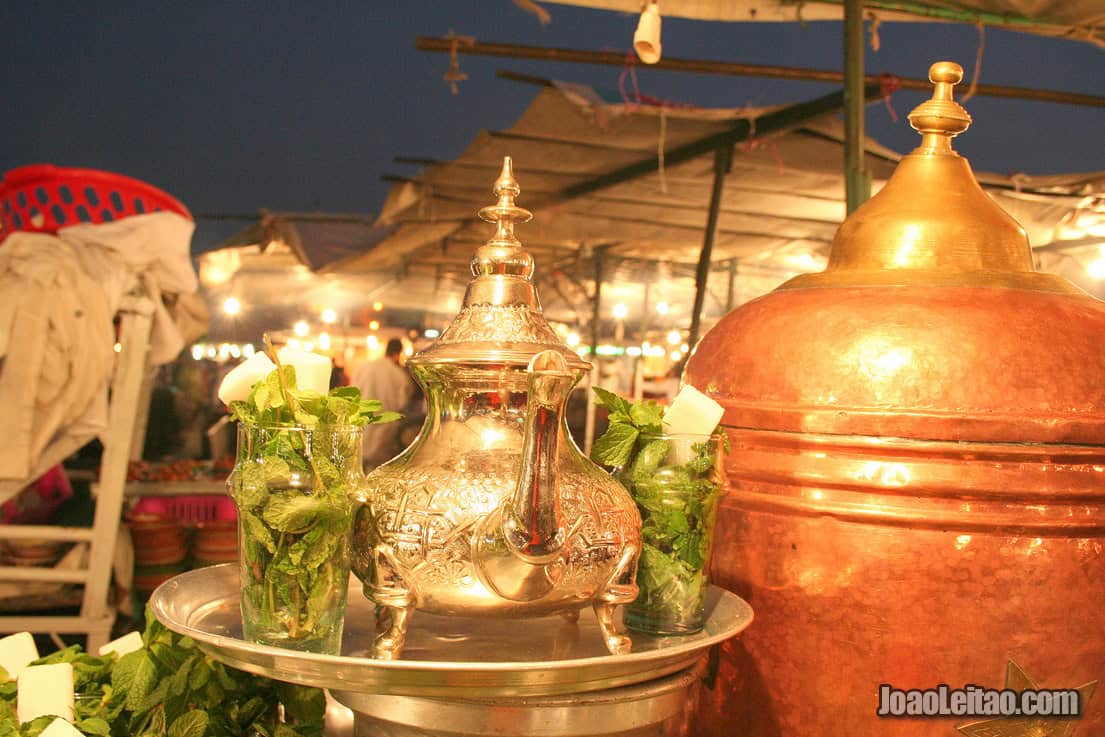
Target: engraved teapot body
[[493, 510]]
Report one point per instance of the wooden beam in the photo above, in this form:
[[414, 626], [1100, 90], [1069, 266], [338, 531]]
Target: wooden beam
[[701, 66]]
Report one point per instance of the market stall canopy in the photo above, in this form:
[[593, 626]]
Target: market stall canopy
[[316, 239], [582, 159], [1081, 20]]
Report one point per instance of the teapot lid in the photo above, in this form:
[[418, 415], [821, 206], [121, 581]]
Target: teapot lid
[[501, 321]]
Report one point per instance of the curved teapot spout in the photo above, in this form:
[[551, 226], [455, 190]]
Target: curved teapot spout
[[533, 527], [518, 550]]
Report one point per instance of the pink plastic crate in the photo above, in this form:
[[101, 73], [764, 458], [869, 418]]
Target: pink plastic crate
[[188, 509]]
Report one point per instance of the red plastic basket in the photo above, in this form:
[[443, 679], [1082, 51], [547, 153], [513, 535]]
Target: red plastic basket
[[43, 198]]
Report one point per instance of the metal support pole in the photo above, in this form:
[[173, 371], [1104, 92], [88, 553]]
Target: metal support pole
[[731, 292], [857, 182], [723, 157], [592, 380]]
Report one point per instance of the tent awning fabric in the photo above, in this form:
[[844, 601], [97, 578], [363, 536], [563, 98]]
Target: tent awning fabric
[[1082, 20], [783, 197], [782, 202], [317, 240]]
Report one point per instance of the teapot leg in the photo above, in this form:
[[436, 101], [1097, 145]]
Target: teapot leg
[[620, 588], [616, 643], [391, 631], [394, 601]]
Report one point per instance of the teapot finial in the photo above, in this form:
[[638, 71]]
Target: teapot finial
[[503, 254]]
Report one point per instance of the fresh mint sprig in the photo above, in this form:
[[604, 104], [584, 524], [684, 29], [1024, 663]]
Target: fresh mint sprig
[[168, 688], [277, 401], [628, 421], [295, 541]]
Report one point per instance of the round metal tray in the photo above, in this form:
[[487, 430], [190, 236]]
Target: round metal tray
[[444, 656]]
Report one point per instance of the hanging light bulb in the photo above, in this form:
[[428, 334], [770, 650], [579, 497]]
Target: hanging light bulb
[[646, 41]]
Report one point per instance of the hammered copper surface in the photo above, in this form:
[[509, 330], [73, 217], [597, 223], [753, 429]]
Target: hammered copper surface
[[918, 465]]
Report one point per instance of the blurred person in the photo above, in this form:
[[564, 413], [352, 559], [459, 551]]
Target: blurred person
[[386, 380], [338, 377]]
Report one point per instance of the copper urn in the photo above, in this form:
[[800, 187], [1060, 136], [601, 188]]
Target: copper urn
[[917, 470]]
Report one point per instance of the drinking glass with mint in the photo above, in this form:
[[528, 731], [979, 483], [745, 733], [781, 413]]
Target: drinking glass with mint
[[669, 462], [298, 469]]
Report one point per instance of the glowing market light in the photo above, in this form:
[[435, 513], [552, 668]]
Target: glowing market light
[[1096, 268], [431, 332], [374, 325], [372, 342], [620, 311], [197, 351], [633, 351], [232, 306], [662, 308], [377, 306], [324, 341], [674, 338], [301, 328], [329, 316], [572, 340], [248, 350], [676, 355]]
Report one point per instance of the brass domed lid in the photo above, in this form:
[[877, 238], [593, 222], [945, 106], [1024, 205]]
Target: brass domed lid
[[932, 223], [929, 322], [501, 321]]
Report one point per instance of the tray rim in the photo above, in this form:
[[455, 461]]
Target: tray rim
[[232, 651]]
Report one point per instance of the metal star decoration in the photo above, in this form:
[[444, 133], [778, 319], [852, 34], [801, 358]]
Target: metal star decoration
[[1017, 680]]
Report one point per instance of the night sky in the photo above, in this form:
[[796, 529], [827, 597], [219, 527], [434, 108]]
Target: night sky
[[302, 105]]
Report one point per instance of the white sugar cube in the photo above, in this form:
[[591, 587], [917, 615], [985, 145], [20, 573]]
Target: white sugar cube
[[45, 690], [312, 371], [237, 384], [60, 728], [16, 651], [692, 412], [128, 643]]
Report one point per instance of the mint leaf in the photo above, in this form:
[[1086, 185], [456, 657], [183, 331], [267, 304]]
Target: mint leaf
[[611, 401], [190, 724], [648, 416], [291, 511], [144, 679], [122, 676], [616, 445], [94, 726], [649, 458]]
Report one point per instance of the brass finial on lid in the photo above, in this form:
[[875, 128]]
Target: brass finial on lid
[[500, 321], [942, 118], [503, 254], [932, 224]]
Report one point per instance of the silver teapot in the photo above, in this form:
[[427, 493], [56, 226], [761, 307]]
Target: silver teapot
[[493, 511]]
